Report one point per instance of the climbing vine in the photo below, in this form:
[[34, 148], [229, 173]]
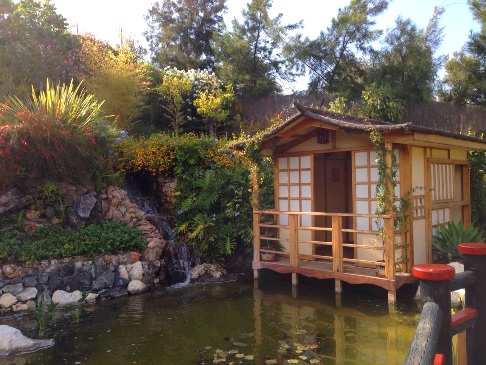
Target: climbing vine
[[386, 199]]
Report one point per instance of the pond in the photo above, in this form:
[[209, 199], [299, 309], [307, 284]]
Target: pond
[[231, 323]]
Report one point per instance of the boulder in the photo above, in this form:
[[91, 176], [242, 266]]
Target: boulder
[[123, 272], [13, 342], [63, 298], [105, 281], [27, 294], [13, 289], [136, 273], [91, 298], [12, 200], [11, 271], [136, 286], [7, 300], [207, 272], [85, 205]]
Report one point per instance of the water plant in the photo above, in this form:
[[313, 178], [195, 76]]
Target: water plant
[[40, 315]]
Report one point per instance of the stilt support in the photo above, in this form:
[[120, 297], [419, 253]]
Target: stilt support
[[338, 286], [392, 296], [295, 279], [256, 274]]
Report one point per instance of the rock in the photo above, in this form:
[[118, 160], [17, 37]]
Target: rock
[[30, 281], [13, 342], [207, 271], [49, 212], [105, 281], [20, 307], [136, 273], [43, 278], [7, 300], [137, 286], [66, 270], [134, 257], [116, 292], [14, 289], [71, 283], [63, 298], [153, 251], [85, 205], [55, 284], [84, 277], [12, 200], [73, 218], [11, 271], [457, 266], [123, 272], [29, 293], [91, 298]]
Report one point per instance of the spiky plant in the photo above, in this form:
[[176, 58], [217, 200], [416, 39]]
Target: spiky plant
[[69, 105], [451, 235]]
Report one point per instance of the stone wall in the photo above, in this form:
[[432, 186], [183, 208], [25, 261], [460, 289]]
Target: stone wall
[[107, 276]]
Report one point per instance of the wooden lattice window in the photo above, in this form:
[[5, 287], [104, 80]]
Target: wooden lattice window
[[294, 181], [365, 178], [442, 180]]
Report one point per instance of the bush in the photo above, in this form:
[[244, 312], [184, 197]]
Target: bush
[[451, 235], [58, 136], [57, 242], [213, 192]]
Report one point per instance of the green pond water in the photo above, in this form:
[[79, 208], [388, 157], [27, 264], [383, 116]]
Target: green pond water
[[231, 323]]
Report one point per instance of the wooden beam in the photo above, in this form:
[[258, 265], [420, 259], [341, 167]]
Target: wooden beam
[[302, 126], [449, 142], [284, 147]]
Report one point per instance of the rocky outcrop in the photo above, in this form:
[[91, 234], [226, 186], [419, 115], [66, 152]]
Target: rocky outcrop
[[13, 342]]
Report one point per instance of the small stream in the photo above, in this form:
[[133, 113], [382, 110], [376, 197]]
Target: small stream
[[231, 323]]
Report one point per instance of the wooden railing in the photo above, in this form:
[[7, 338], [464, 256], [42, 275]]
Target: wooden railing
[[432, 343], [266, 231]]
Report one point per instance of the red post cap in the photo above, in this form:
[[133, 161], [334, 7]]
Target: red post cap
[[433, 272], [472, 248]]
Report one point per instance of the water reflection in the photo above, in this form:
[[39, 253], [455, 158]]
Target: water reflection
[[203, 324]]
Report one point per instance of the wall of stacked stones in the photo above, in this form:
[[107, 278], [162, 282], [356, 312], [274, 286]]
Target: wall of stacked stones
[[108, 276]]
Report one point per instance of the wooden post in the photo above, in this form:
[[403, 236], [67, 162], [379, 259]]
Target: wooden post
[[474, 255], [256, 240], [294, 248], [337, 243], [466, 195], [435, 287], [389, 244]]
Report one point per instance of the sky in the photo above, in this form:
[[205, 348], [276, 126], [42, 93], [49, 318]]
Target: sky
[[106, 18]]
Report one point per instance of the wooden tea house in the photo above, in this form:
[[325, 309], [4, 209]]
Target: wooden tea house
[[330, 177]]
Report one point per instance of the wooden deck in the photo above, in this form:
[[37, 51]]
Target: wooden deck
[[351, 273]]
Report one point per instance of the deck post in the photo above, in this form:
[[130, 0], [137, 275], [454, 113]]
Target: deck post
[[435, 287], [256, 240], [392, 296], [294, 248], [337, 243], [338, 286], [474, 255]]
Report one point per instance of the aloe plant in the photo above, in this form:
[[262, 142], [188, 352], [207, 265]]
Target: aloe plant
[[451, 235]]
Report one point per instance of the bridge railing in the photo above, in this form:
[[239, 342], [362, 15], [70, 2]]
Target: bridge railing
[[432, 343]]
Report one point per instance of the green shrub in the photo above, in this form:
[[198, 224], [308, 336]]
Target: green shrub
[[55, 242], [57, 136], [213, 191], [451, 235]]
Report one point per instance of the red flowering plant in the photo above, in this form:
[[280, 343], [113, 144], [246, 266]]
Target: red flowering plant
[[56, 136]]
